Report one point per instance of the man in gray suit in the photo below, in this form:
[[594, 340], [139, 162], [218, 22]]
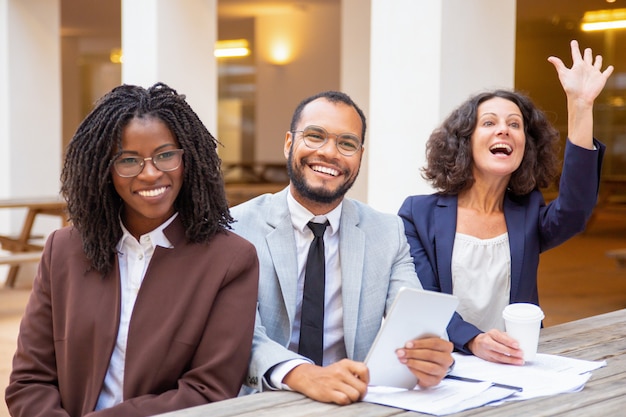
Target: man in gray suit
[[367, 261]]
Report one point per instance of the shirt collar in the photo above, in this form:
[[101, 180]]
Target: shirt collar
[[300, 215], [157, 237]]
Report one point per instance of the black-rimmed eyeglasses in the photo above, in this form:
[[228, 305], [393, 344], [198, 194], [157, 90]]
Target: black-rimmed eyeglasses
[[315, 137], [128, 166]]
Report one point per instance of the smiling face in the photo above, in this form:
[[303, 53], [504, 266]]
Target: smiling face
[[321, 177], [149, 197], [498, 140]]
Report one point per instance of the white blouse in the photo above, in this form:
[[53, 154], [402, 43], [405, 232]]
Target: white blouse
[[481, 279]]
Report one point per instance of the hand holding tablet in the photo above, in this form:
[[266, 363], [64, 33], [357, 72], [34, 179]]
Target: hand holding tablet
[[414, 314]]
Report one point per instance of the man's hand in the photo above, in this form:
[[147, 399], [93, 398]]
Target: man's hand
[[342, 383], [428, 359], [496, 346]]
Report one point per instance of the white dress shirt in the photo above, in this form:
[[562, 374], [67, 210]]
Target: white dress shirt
[[134, 258], [334, 347]]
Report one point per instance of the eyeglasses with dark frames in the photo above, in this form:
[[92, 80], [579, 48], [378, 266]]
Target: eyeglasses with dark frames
[[129, 166], [315, 137]]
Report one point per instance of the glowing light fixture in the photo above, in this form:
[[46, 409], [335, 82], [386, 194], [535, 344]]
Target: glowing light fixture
[[116, 56], [280, 53], [604, 20], [231, 48]]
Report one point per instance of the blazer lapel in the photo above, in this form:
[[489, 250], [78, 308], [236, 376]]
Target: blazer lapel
[[282, 245], [445, 228], [106, 337], [352, 246], [514, 215]]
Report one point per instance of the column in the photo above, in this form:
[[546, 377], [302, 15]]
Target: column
[[30, 107], [172, 42], [30, 98], [426, 58]]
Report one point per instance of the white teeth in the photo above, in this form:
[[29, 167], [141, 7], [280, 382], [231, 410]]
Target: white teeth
[[325, 170], [152, 193], [502, 146]]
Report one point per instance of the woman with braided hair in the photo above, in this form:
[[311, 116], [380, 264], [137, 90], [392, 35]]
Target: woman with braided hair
[[146, 303]]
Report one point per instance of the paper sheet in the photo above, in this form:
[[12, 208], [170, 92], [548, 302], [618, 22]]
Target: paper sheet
[[546, 375], [448, 397]]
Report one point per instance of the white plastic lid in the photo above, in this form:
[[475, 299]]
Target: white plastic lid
[[522, 312]]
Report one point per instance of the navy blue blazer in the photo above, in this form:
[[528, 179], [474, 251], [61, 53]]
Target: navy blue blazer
[[533, 227]]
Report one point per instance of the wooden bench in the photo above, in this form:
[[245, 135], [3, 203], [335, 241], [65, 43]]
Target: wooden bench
[[17, 259], [619, 255], [22, 248]]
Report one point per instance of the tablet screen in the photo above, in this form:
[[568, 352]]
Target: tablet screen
[[413, 314]]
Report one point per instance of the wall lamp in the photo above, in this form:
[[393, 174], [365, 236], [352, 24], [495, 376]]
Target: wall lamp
[[231, 48], [116, 56], [604, 20], [280, 53]]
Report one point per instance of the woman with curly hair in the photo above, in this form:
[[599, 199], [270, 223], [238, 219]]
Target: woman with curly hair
[[146, 303], [479, 237]]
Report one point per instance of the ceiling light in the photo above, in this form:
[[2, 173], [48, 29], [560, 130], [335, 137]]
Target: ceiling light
[[604, 20], [231, 48]]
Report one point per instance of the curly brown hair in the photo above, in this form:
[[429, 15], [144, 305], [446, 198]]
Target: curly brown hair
[[92, 202], [449, 159]]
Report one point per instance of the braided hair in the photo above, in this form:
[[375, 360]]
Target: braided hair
[[93, 204]]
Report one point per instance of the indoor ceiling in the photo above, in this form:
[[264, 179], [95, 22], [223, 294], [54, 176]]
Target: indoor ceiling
[[102, 18], [572, 10]]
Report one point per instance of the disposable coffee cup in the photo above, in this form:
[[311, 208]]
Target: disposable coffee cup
[[522, 322]]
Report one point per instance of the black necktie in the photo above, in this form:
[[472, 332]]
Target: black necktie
[[312, 320]]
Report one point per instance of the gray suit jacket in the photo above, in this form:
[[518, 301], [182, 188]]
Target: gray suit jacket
[[375, 264]]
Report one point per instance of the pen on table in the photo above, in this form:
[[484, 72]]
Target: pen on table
[[495, 384]]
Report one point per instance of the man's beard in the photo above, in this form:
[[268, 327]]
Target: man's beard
[[322, 196]]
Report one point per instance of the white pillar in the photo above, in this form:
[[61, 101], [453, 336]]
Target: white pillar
[[172, 42], [30, 98], [426, 58], [30, 108]]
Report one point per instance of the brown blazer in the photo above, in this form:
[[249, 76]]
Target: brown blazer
[[189, 338]]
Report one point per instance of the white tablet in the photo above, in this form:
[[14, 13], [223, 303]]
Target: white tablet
[[413, 314]]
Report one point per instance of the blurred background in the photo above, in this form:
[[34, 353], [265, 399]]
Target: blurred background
[[91, 55]]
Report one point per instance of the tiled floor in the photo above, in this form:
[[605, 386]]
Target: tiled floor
[[576, 280]]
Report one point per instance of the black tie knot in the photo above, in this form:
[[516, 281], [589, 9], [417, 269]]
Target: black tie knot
[[318, 229]]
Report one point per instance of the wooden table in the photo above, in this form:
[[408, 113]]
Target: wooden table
[[600, 337], [54, 206]]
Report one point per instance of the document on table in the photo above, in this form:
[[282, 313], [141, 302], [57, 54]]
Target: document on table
[[450, 396], [546, 375]]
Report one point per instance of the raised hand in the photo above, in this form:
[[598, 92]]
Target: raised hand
[[582, 83], [585, 79]]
